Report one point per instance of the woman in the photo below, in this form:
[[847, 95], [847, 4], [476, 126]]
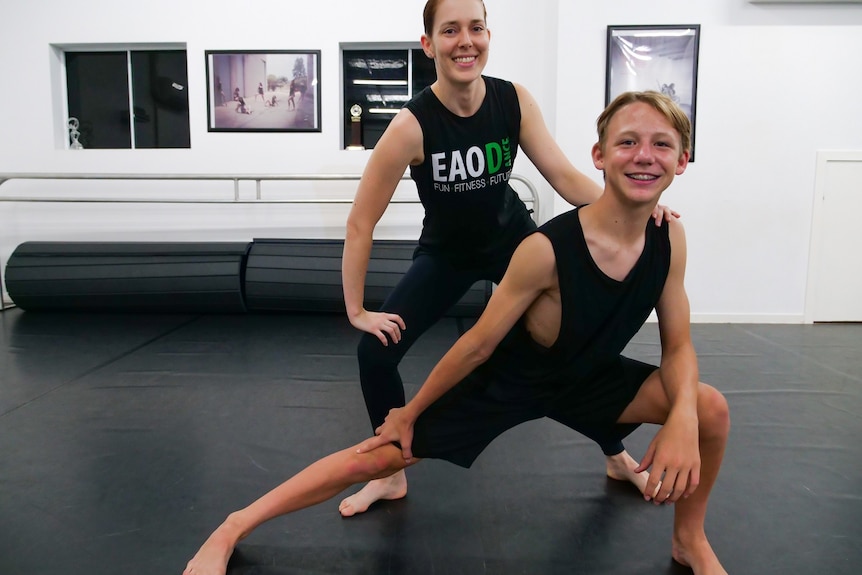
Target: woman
[[459, 138]]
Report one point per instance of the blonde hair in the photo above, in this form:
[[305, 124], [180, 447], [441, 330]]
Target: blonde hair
[[661, 103]]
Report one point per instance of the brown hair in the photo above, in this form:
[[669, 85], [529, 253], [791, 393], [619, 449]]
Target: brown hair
[[661, 103], [430, 12]]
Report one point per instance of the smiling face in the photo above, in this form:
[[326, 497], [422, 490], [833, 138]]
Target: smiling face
[[640, 152], [457, 39]]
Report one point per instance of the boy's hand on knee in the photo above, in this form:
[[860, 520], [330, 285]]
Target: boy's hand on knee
[[397, 428], [371, 444], [674, 455]]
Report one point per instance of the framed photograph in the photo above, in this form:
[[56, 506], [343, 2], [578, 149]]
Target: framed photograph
[[263, 91], [660, 58]]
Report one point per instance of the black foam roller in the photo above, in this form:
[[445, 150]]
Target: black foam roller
[[305, 275], [128, 276]]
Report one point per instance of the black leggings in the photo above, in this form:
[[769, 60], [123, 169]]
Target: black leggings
[[426, 292]]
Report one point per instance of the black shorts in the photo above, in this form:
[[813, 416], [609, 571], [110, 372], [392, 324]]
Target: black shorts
[[462, 423]]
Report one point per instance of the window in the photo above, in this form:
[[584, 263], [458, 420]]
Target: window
[[129, 98], [377, 82]]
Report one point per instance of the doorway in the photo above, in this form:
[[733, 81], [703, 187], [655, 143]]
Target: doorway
[[835, 258]]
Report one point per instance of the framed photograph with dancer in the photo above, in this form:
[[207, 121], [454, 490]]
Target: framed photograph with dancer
[[661, 58], [263, 90]]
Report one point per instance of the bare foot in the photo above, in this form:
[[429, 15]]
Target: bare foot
[[392, 487], [697, 554], [622, 468], [212, 557]]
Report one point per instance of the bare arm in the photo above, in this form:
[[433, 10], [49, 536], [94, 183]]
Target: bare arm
[[531, 271], [537, 142], [400, 146], [674, 451]]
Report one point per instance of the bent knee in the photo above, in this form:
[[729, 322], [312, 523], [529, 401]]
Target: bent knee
[[371, 353], [713, 411]]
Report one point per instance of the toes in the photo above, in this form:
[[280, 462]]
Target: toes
[[346, 508]]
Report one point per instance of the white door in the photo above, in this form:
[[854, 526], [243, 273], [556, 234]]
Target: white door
[[835, 262]]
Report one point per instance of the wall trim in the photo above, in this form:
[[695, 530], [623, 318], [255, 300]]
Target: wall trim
[[748, 318], [751, 318], [793, 318]]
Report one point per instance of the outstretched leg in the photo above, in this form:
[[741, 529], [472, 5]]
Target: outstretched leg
[[619, 465], [622, 468], [318, 482], [429, 288], [386, 489]]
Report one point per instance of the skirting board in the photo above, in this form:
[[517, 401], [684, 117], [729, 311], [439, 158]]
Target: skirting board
[[746, 318], [774, 318]]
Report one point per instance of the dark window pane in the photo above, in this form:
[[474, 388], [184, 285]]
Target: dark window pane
[[377, 80], [374, 79], [98, 89], [160, 98]]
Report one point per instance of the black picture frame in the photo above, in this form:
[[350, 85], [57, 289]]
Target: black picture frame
[[263, 90], [661, 58]]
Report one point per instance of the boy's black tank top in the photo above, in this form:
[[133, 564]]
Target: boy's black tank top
[[472, 215], [600, 315]]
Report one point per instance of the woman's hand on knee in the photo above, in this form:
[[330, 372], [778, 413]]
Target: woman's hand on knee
[[384, 326]]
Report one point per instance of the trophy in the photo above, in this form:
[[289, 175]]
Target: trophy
[[355, 128]]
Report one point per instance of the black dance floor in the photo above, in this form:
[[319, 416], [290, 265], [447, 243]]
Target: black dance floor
[[125, 439]]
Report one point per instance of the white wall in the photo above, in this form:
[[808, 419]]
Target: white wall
[[33, 120], [776, 83]]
